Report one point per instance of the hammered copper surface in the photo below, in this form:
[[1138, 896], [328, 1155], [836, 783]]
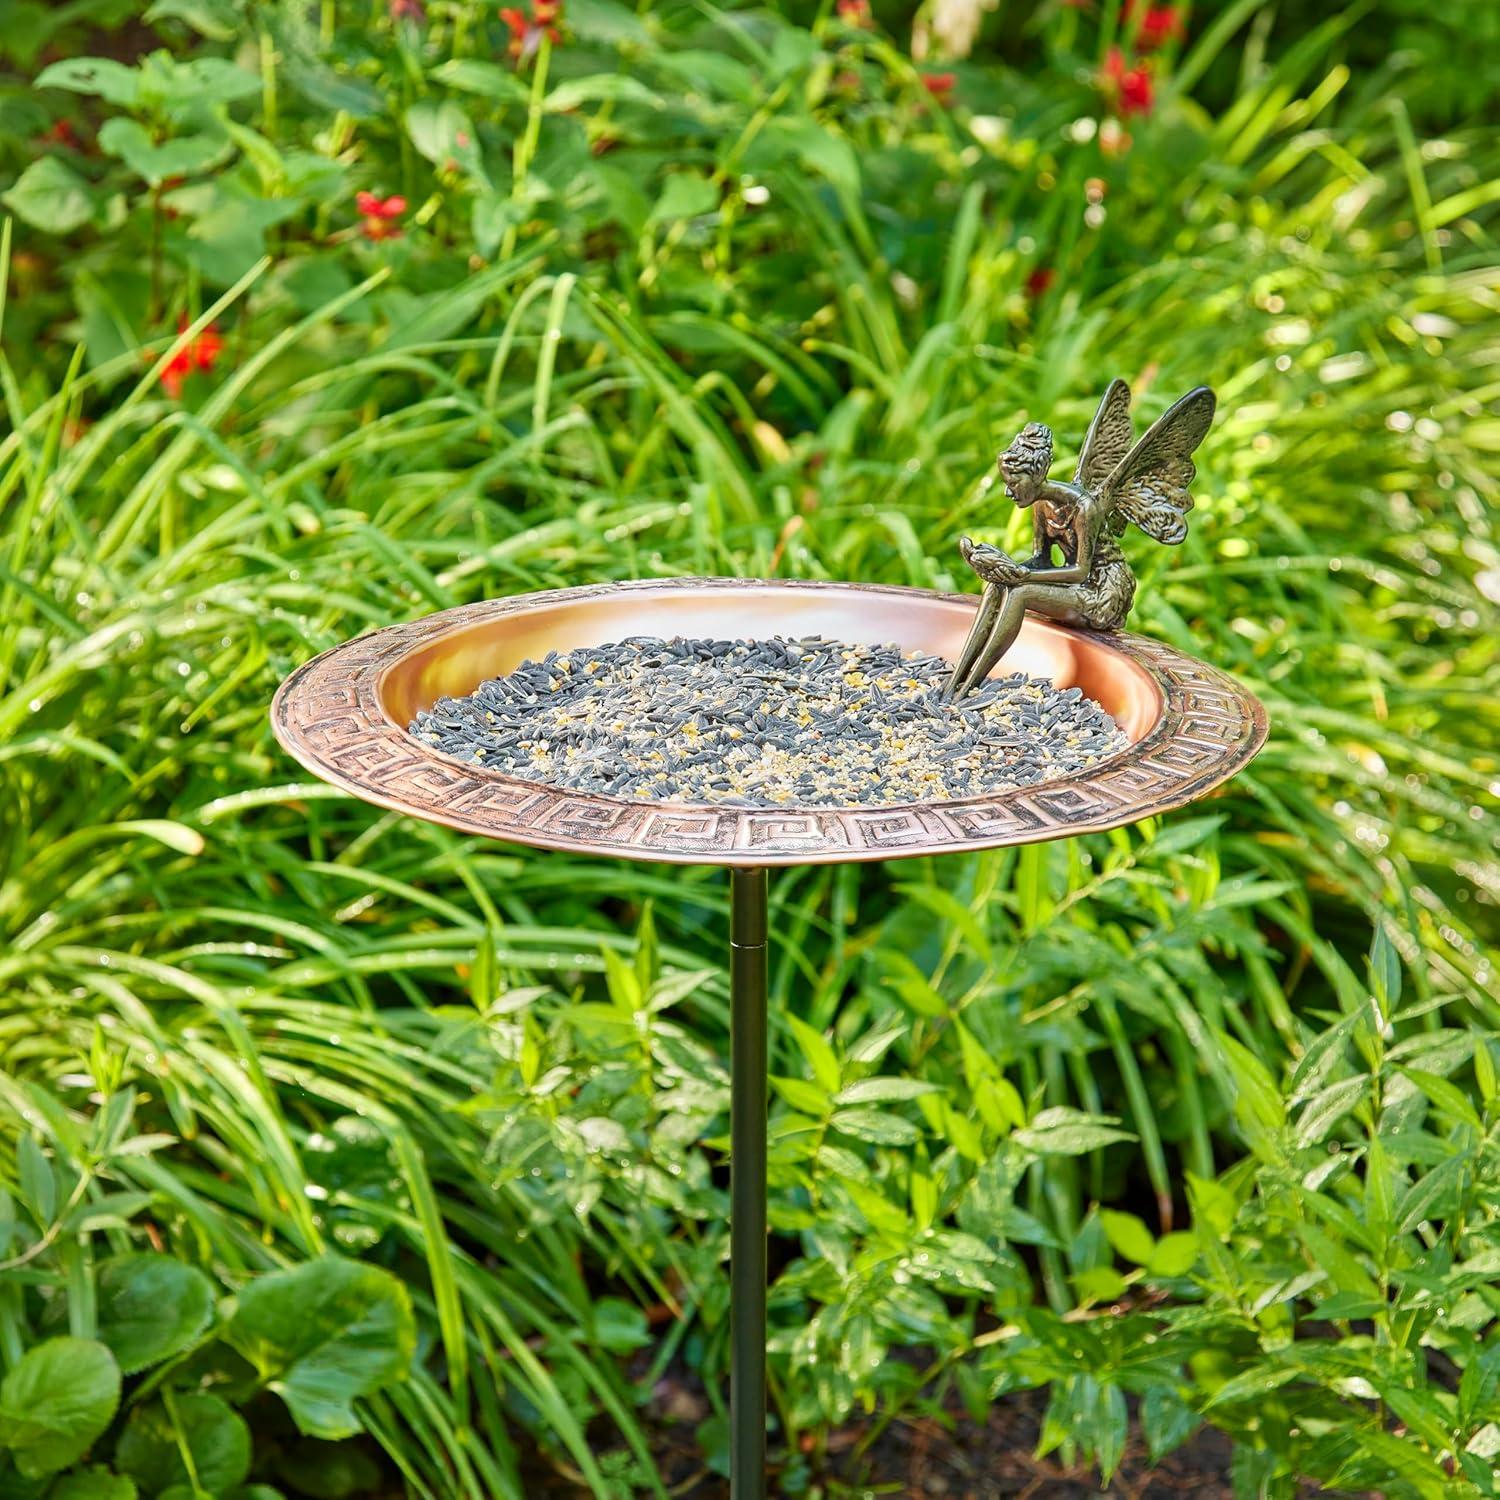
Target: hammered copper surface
[[344, 715]]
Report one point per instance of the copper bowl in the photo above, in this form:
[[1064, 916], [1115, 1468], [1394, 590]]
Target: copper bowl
[[344, 715]]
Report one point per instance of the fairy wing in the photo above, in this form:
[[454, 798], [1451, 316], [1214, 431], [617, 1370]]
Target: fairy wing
[[1149, 486], [1108, 439]]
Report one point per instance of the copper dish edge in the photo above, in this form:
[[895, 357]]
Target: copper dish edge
[[343, 716]]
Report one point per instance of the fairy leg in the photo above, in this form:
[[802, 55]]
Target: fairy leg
[[989, 604], [1057, 601]]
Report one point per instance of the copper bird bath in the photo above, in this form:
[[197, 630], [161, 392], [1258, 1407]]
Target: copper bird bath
[[344, 716]]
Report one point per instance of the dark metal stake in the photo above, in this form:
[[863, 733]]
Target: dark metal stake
[[747, 1183]]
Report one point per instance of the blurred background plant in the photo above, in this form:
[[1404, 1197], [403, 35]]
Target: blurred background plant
[[323, 315]]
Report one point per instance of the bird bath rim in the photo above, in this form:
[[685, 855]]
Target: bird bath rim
[[344, 714]]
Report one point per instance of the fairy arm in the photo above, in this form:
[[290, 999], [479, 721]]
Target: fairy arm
[[1083, 552], [1041, 539]]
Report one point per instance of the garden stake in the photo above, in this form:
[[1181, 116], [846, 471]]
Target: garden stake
[[748, 1070], [345, 716]]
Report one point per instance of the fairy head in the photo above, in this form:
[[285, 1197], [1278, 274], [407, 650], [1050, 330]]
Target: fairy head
[[1025, 463]]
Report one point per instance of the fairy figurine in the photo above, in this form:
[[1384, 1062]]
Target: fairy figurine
[[1115, 484]]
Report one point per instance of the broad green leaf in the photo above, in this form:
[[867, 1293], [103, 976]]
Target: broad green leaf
[[1174, 1254], [1061, 1131], [179, 156], [102, 76], [1399, 1458], [38, 1180], [1484, 1069], [1324, 1055], [875, 1126], [616, 88], [1166, 1420], [50, 196], [923, 1193], [814, 146], [959, 1130], [608, 22], [1479, 1387], [1213, 1203], [1344, 1270], [619, 1326], [803, 1096], [336, 91], [93, 1483], [623, 984], [1254, 1384], [878, 1211], [55, 1401], [1258, 1100], [1183, 834], [476, 76], [1446, 1095], [1385, 970], [792, 50], [178, 87], [685, 195], [917, 992], [1099, 1284], [215, 19], [873, 1046], [1327, 1107], [1128, 1236], [444, 134], [323, 1335], [818, 1053], [151, 1307], [490, 216], [150, 1448], [1419, 1411], [882, 1090], [1433, 1195], [715, 73]]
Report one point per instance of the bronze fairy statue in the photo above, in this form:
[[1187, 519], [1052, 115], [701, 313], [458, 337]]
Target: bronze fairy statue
[[1115, 484]]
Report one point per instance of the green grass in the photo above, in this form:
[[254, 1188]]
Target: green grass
[[373, 1036]]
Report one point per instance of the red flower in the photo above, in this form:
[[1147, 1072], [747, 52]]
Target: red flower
[[526, 32], [1129, 87], [1040, 281], [940, 86], [376, 214], [61, 134], [1159, 24], [854, 12], [408, 10], [199, 353]]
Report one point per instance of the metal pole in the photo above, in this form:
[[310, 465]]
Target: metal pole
[[747, 1183]]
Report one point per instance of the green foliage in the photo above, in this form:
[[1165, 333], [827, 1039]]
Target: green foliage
[[195, 1439], [316, 1122], [56, 1399], [151, 1307], [323, 1335]]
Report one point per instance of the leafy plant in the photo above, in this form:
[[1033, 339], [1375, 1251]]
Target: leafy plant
[[300, 1100], [149, 1375]]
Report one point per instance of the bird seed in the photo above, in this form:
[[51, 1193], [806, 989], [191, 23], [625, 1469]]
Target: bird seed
[[767, 723]]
